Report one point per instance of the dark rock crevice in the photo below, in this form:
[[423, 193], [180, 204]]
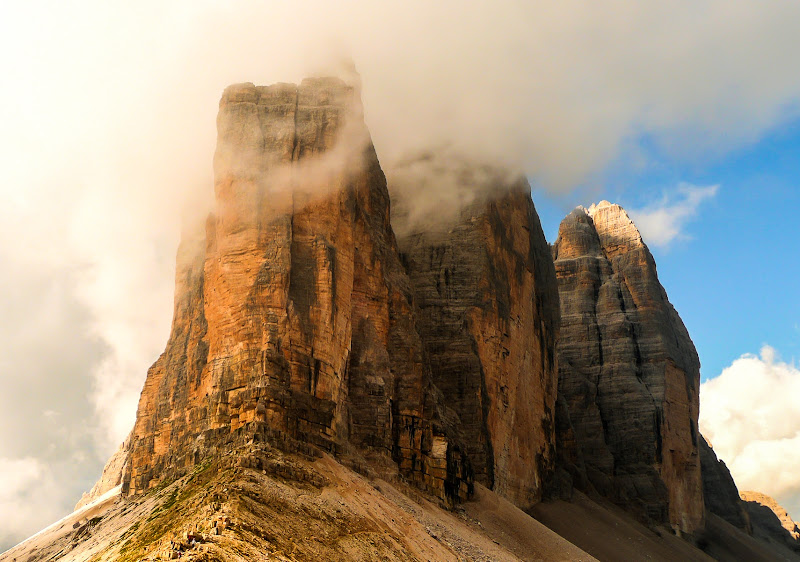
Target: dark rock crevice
[[638, 438]]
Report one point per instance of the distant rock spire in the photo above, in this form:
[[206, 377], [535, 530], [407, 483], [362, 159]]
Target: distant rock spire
[[628, 371]]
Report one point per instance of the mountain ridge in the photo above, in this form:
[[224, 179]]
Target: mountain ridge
[[331, 388]]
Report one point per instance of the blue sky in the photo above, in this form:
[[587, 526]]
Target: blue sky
[[732, 274]]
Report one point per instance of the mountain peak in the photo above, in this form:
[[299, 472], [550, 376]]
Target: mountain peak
[[332, 389], [625, 361], [615, 228]]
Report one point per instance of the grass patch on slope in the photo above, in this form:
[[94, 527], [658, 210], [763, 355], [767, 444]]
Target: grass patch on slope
[[168, 517]]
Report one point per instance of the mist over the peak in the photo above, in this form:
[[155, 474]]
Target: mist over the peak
[[431, 188], [109, 138]]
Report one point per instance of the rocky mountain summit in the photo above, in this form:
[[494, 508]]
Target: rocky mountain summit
[[628, 373], [300, 326], [297, 313], [486, 298], [363, 369]]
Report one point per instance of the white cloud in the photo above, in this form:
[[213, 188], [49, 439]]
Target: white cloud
[[751, 415], [30, 498], [665, 221]]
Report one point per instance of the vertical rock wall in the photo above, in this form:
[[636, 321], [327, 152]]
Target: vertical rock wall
[[295, 311], [487, 304], [627, 370]]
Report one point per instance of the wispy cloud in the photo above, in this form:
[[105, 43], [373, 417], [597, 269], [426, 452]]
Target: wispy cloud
[[31, 496], [665, 221], [751, 415]]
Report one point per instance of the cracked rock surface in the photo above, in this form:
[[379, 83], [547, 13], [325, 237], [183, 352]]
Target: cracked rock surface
[[487, 301], [628, 372]]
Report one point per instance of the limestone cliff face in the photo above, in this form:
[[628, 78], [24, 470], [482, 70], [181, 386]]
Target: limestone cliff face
[[719, 490], [487, 302], [627, 370], [771, 522], [294, 312]]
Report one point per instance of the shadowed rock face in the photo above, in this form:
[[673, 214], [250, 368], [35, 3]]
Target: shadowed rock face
[[294, 310], [628, 371], [719, 490], [487, 304], [771, 522]]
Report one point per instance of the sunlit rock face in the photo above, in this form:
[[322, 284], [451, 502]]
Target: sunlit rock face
[[293, 311], [298, 318], [487, 299], [628, 371]]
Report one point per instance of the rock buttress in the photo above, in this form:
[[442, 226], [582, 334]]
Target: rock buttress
[[720, 493], [487, 303], [771, 522], [628, 370], [294, 312]]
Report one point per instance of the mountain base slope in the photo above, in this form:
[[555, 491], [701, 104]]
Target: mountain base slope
[[256, 502]]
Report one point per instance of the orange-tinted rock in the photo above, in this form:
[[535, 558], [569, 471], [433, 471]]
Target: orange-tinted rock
[[628, 370], [487, 304], [294, 313], [295, 319]]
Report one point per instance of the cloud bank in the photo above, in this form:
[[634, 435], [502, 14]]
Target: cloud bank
[[751, 416], [663, 222], [108, 133], [32, 495]]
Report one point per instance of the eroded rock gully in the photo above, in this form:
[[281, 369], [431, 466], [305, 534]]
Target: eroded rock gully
[[628, 372], [488, 316]]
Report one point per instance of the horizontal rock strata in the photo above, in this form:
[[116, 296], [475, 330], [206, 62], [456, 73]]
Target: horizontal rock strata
[[628, 370], [294, 310], [487, 303]]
